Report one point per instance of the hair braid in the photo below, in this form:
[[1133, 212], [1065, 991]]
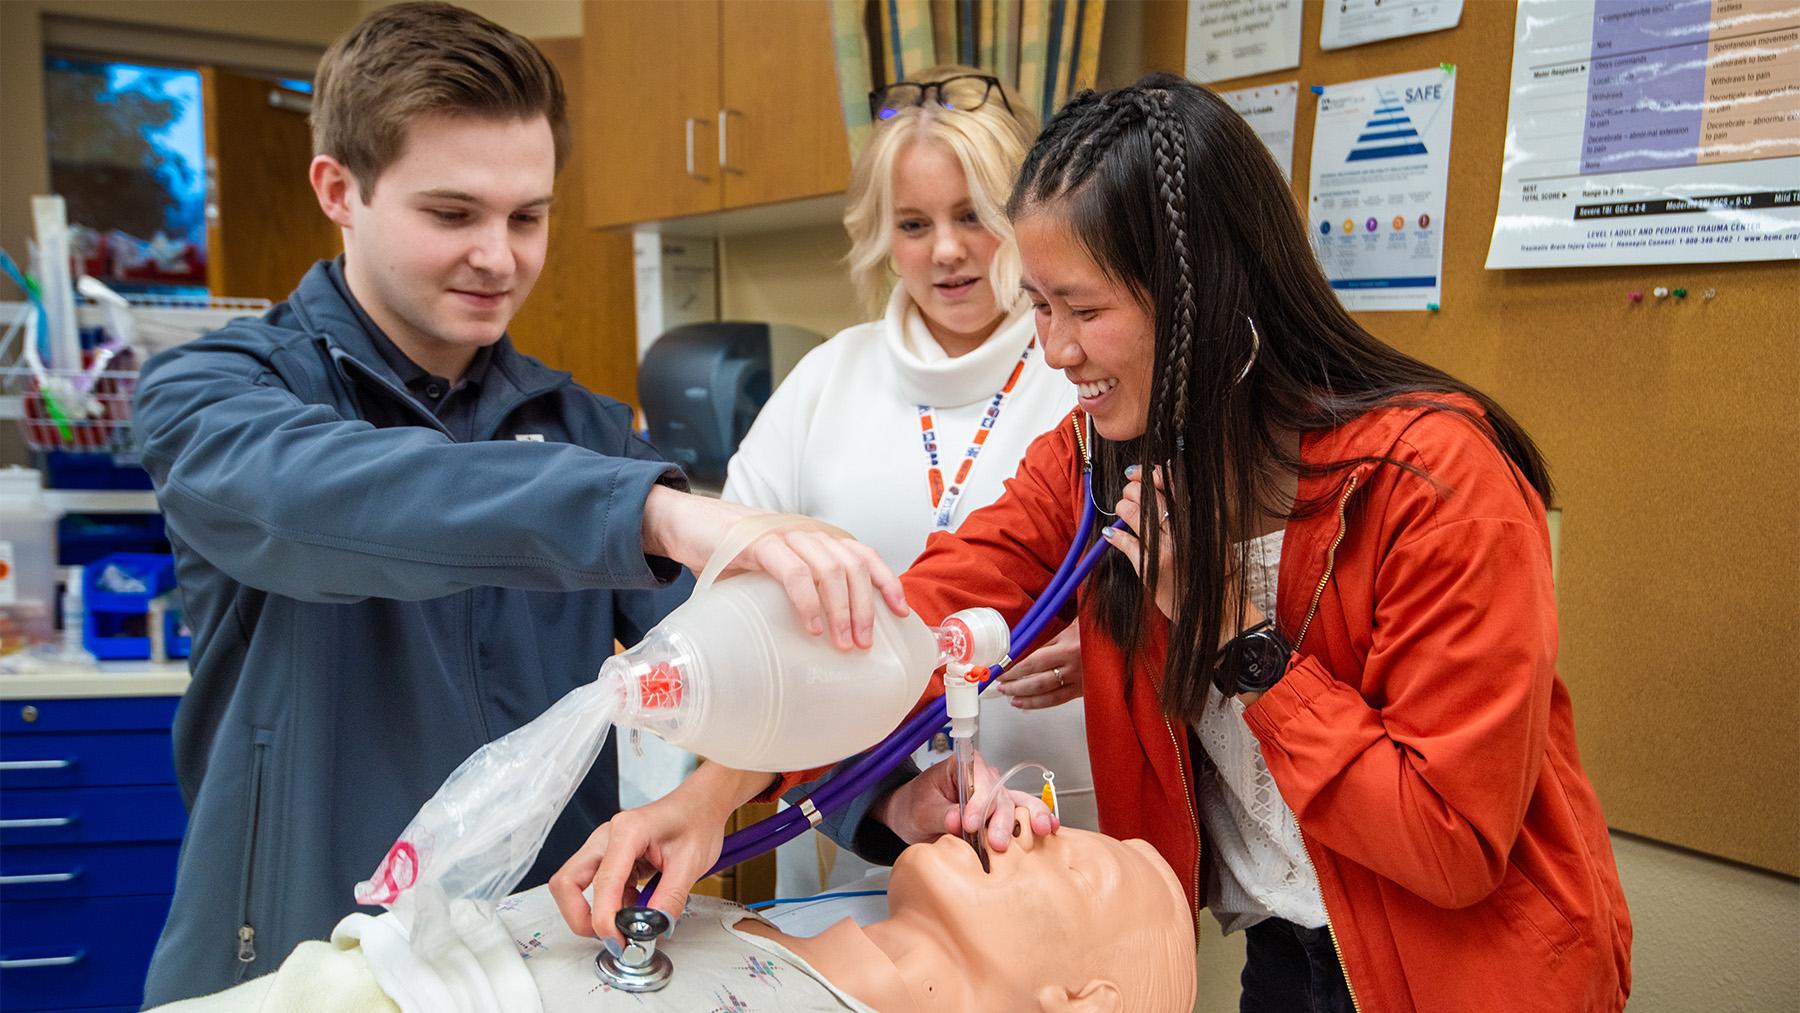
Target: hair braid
[[1119, 116], [1170, 141], [1055, 143], [1075, 141]]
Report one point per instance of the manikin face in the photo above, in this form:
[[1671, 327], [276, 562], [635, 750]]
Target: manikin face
[[1043, 919], [1094, 329], [445, 250], [940, 248]]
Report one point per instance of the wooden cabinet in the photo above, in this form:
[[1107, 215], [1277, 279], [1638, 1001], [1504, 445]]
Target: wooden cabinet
[[696, 106], [581, 316]]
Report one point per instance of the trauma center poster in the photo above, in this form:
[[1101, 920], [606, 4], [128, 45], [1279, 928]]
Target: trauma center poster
[[1651, 133], [1380, 161]]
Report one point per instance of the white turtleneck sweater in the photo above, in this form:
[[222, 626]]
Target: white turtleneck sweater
[[840, 441]]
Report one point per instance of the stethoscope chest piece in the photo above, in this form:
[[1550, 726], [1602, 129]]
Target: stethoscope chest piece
[[638, 968]]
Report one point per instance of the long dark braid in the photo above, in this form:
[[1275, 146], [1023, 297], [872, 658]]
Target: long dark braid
[[1171, 186], [1164, 186], [1169, 424]]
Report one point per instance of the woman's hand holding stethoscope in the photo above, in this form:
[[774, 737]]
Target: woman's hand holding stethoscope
[[1048, 676], [1128, 539]]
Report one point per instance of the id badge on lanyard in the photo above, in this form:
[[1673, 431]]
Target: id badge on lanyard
[[945, 497]]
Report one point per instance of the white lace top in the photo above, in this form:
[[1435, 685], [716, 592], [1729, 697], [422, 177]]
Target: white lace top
[[1259, 866]]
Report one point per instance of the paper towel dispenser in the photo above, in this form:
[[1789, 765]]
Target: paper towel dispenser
[[701, 386]]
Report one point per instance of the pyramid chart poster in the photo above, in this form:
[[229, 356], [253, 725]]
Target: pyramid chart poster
[[1380, 162]]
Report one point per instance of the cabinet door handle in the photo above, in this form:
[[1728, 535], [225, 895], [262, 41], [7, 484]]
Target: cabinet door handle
[[689, 123], [48, 821], [6, 765], [724, 147], [65, 961], [39, 877]]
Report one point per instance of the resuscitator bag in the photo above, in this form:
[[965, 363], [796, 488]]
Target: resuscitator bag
[[731, 675]]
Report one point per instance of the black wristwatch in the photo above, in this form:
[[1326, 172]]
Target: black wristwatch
[[1252, 661]]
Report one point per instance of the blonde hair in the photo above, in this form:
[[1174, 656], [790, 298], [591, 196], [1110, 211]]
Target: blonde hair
[[990, 144]]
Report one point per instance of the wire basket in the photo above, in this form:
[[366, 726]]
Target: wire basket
[[74, 410], [88, 411]]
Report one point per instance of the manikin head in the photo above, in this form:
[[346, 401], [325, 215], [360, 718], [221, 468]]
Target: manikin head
[[1072, 921], [436, 136]]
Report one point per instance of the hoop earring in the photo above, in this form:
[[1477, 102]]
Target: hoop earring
[[1255, 347]]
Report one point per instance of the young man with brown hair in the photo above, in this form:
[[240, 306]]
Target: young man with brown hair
[[398, 538]]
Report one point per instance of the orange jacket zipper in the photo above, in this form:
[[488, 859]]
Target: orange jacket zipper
[[1313, 610]]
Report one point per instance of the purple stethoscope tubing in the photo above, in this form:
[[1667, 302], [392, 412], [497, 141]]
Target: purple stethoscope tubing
[[768, 834]]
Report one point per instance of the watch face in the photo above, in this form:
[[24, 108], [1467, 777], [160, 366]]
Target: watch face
[[1261, 660]]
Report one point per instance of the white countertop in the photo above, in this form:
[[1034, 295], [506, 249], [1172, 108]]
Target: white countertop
[[51, 681]]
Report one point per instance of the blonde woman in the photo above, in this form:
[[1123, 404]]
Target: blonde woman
[[902, 426]]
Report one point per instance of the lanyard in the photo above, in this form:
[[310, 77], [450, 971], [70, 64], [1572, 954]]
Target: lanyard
[[944, 499]]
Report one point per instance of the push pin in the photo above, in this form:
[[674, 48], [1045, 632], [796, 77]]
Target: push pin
[[1660, 292], [1681, 293], [1318, 89], [1635, 296], [638, 967], [1709, 293], [1433, 307]]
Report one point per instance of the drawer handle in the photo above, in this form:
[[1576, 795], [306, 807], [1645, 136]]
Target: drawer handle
[[724, 145], [15, 965], [48, 821], [688, 129], [39, 877], [6, 765]]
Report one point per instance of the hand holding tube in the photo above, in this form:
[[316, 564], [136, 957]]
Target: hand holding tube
[[925, 807]]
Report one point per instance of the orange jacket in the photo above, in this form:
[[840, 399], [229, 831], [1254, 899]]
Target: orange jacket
[[1421, 735]]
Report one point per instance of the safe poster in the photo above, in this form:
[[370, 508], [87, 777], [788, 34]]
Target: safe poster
[[1380, 163]]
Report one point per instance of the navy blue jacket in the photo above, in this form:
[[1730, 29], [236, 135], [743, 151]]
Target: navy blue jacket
[[371, 601]]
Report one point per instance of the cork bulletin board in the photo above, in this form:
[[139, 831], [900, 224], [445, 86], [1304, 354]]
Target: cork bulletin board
[[1672, 429]]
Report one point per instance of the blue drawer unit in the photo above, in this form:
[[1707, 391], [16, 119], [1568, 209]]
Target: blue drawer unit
[[86, 759], [91, 952], [90, 828]]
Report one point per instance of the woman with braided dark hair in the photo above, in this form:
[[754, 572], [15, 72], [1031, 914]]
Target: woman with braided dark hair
[[1321, 666], [1343, 682]]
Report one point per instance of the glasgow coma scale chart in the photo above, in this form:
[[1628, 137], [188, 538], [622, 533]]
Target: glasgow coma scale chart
[[1633, 111]]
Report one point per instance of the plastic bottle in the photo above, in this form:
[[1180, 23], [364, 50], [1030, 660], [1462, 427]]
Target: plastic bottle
[[27, 562], [733, 676], [74, 615]]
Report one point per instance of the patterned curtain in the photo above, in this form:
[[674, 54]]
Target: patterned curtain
[[1047, 49]]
